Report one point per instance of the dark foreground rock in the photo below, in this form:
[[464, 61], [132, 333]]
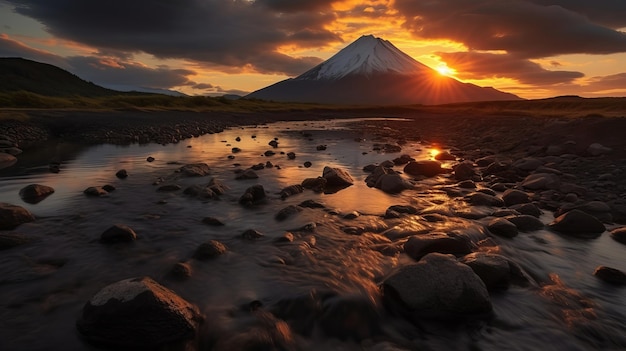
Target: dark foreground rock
[[437, 287], [138, 313], [493, 269], [427, 168], [336, 177], [252, 196], [619, 235], [118, 233], [578, 223], [12, 216], [610, 275], [209, 250]]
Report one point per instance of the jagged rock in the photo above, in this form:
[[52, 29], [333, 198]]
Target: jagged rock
[[209, 250], [513, 197], [420, 245], [426, 168], [118, 233], [502, 227], [437, 286], [138, 313], [579, 224], [35, 193], [195, 170], [252, 196], [291, 190], [610, 275], [12, 216], [525, 223], [336, 177], [402, 160]]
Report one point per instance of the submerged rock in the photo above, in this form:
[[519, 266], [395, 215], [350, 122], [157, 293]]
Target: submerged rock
[[138, 313], [437, 287], [12, 216], [122, 173]]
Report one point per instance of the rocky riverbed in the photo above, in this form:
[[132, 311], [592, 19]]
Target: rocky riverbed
[[436, 232]]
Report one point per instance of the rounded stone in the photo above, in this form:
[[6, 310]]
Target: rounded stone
[[35, 193], [118, 233], [12, 216], [209, 249]]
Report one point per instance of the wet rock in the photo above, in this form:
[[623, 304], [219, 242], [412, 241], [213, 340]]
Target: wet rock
[[349, 317], [320, 147], [212, 221], [287, 212], [307, 164], [7, 160], [402, 160], [392, 183], [482, 199], [599, 209], [195, 170], [541, 181], [525, 223], [468, 184], [408, 209], [496, 168], [247, 174], [420, 245], [493, 269], [273, 143], [336, 177], [150, 159], [502, 227], [287, 237], [138, 313], [169, 187], [376, 173], [291, 155], [407, 229], [291, 190], [122, 174], [118, 233], [108, 188], [251, 234], [12, 216], [35, 193], [9, 240], [311, 204], [464, 171], [619, 235], [181, 270], [578, 223], [235, 150], [513, 197], [610, 275], [316, 184], [426, 168], [527, 209], [269, 153], [351, 215], [54, 167], [209, 250], [445, 156], [437, 287], [252, 196], [527, 164], [597, 149]]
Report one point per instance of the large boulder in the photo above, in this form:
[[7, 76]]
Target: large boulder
[[438, 287], [426, 168], [12, 216], [336, 177], [578, 223], [35, 193], [138, 313]]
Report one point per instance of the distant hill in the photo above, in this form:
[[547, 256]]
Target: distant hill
[[372, 71], [18, 74]]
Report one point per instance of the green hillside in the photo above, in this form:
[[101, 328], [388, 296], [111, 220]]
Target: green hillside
[[18, 74]]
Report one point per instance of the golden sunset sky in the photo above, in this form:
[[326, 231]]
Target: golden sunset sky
[[532, 48]]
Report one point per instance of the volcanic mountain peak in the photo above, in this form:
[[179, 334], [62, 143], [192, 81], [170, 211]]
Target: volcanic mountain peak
[[366, 55]]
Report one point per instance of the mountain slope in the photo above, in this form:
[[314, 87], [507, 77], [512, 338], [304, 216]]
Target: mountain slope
[[18, 74], [372, 71]]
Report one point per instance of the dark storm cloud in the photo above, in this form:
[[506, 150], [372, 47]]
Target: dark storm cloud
[[525, 28], [474, 65], [296, 5], [236, 33], [611, 13]]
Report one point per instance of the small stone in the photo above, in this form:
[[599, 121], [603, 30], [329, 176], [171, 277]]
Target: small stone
[[209, 250], [619, 235], [212, 221], [150, 159], [122, 174], [252, 234], [525, 223], [169, 187], [108, 188], [287, 212], [181, 270], [95, 191], [320, 147], [426, 168], [307, 164]]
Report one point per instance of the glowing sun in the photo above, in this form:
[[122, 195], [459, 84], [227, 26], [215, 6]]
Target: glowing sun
[[444, 70]]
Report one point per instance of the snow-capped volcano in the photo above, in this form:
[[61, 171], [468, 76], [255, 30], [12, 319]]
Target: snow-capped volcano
[[366, 55], [372, 71]]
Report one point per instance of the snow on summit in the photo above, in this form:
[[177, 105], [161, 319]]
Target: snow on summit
[[366, 55]]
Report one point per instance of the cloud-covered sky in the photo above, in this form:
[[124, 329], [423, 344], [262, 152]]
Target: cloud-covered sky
[[534, 48]]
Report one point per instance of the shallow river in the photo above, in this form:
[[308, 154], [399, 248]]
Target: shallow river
[[44, 284]]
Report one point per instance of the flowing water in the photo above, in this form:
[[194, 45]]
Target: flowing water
[[45, 283]]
